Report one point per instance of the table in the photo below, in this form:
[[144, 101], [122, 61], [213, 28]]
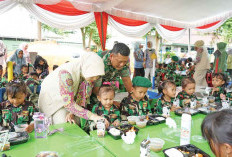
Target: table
[[73, 142], [171, 138]]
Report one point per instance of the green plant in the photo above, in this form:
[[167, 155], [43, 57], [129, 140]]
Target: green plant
[[169, 53]]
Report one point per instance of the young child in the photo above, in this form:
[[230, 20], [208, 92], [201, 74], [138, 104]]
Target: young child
[[137, 104], [33, 79], [187, 94], [219, 83], [105, 107], [168, 91], [217, 130], [16, 110], [173, 65], [24, 72]]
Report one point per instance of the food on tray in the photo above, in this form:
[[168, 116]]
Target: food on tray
[[47, 154], [141, 122], [211, 99], [132, 120], [173, 152], [159, 118], [212, 109], [114, 132]]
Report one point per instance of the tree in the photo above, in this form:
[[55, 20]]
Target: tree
[[91, 32], [56, 30], [225, 31], [157, 37]]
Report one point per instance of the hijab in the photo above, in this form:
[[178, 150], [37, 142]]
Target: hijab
[[25, 52], [18, 61], [36, 64]]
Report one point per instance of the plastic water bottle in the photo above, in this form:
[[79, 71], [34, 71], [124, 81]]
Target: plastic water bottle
[[40, 125], [144, 148], [185, 133]]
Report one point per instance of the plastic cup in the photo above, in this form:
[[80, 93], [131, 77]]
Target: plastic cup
[[132, 119], [141, 124], [156, 144]]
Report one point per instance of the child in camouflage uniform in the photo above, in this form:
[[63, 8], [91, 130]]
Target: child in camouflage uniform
[[219, 84], [173, 65], [136, 104], [168, 91], [105, 107], [24, 72], [16, 110], [187, 94]]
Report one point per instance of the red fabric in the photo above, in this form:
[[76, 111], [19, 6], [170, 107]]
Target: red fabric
[[208, 25], [128, 22], [63, 8], [209, 79], [101, 19], [216, 66], [171, 28]]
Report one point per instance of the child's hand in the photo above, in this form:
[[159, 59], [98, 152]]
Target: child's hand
[[174, 108], [116, 123], [223, 96], [186, 101], [29, 128], [215, 89], [70, 118]]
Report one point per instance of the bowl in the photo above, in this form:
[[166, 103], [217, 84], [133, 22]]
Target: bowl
[[132, 119], [20, 127], [141, 124], [211, 99], [156, 144]]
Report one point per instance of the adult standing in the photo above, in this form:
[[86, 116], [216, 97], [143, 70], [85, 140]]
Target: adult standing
[[202, 63], [116, 63], [150, 59], [220, 61], [24, 47], [68, 88], [138, 63], [18, 60], [3, 54]]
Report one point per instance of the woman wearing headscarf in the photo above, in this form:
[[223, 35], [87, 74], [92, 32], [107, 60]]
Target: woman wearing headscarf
[[220, 61], [24, 47], [42, 64], [202, 63], [3, 54], [18, 60], [66, 90], [139, 56]]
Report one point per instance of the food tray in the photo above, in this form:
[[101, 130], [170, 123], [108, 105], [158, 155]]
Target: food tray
[[18, 137], [206, 110], [153, 121], [114, 137], [192, 112], [123, 129], [126, 127], [193, 151]]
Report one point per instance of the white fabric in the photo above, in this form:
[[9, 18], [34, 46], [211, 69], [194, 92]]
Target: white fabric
[[96, 5], [46, 2], [169, 35], [87, 65], [131, 31], [57, 20], [167, 60], [211, 28], [149, 72], [7, 5]]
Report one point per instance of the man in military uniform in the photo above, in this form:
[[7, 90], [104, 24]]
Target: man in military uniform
[[137, 104], [116, 63]]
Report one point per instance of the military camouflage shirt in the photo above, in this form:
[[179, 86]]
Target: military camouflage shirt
[[216, 94], [172, 66], [16, 115], [229, 96], [182, 96], [163, 103], [131, 107], [110, 72], [111, 115]]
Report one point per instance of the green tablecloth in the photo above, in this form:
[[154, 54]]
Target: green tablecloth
[[171, 138], [72, 142]]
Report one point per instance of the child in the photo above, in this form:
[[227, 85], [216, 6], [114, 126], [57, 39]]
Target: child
[[106, 107], [188, 89], [219, 83], [173, 65], [137, 104], [33, 79], [217, 130], [168, 91], [24, 72], [16, 110]]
